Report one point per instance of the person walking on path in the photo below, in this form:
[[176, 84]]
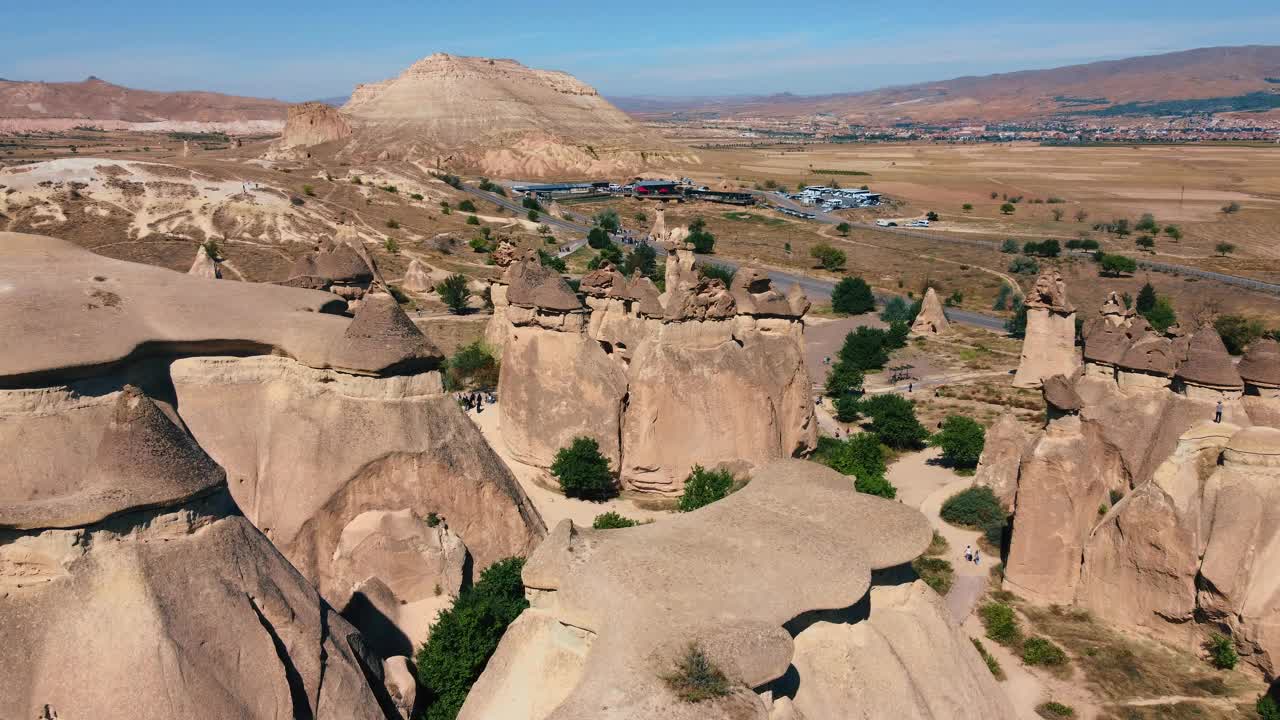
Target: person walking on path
[[1217, 415], [976, 560], [968, 553]]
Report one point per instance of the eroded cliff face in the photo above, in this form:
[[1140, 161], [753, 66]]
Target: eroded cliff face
[[773, 583], [1122, 501], [702, 374], [140, 573], [1049, 347]]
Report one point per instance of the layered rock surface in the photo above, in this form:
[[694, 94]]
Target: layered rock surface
[[1122, 502], [166, 601], [702, 374], [748, 579]]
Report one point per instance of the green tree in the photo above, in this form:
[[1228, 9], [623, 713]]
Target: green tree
[[472, 366], [898, 310], [961, 440], [864, 349], [1146, 299], [1147, 223], [1115, 265], [876, 485], [1146, 242], [828, 257], [467, 206], [723, 273], [1007, 208], [473, 220], [554, 262], [598, 238], [1009, 247], [700, 237], [846, 408], [976, 508], [610, 253], [533, 216], [1267, 708], [967, 207], [1161, 315], [896, 425], [608, 220], [612, 521], [1222, 652], [454, 293], [1238, 331], [1174, 232], [1224, 248], [852, 296], [704, 487], [1016, 325], [844, 228], [843, 379], [464, 637], [641, 261], [583, 471]]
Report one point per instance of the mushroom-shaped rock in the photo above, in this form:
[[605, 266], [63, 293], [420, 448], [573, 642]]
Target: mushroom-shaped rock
[[1260, 365], [1150, 354], [531, 285], [1059, 394], [798, 300], [1208, 364], [754, 294], [382, 340], [204, 266], [646, 296], [931, 320], [658, 233], [1114, 312], [728, 577], [143, 461], [417, 278], [1050, 292], [1106, 344], [604, 281], [1049, 346]]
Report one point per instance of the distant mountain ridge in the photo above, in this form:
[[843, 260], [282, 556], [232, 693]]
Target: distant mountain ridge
[[96, 99], [1236, 78]]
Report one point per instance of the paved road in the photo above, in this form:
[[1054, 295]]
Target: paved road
[[815, 288]]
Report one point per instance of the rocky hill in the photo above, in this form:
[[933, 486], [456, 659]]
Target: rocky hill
[[98, 100], [489, 115], [1229, 75]]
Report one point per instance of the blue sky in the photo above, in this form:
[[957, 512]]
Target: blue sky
[[298, 51]]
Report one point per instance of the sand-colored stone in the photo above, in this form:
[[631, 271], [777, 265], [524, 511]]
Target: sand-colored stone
[[1049, 347], [421, 278], [1001, 454], [172, 606], [313, 123], [931, 320], [205, 266], [383, 340], [402, 684], [1260, 366], [1208, 365], [613, 609], [531, 285]]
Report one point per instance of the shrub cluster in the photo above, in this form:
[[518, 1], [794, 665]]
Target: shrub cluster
[[961, 440], [992, 663], [1001, 623], [852, 296], [976, 508], [1039, 651], [472, 366], [704, 487], [696, 678], [612, 521], [1222, 652], [583, 471], [465, 636]]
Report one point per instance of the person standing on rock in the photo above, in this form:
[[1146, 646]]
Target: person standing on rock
[[1217, 415]]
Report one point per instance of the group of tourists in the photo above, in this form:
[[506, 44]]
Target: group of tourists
[[971, 554], [476, 400]]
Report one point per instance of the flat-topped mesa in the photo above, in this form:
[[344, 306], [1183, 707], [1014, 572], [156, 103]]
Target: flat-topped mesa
[[1260, 368], [143, 460], [1207, 373], [1148, 363], [1049, 346], [205, 266], [613, 611], [931, 320], [382, 340]]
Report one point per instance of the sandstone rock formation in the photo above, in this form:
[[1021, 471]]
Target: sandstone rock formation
[[1260, 368], [136, 569], [775, 580], [493, 116], [931, 320], [342, 267], [1049, 347], [314, 454], [998, 465], [1120, 501], [636, 370], [422, 278], [205, 266], [314, 123]]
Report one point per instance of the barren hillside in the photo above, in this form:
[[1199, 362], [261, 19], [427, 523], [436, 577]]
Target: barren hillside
[[95, 99], [1223, 72]]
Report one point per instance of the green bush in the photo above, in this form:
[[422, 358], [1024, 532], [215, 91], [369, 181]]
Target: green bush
[[1222, 652], [608, 220], [472, 366], [1267, 707], [465, 636], [976, 508], [583, 471], [712, 271], [555, 262], [695, 678], [898, 310], [1024, 266], [641, 262], [865, 348], [846, 408], [961, 440], [896, 424], [700, 237], [1115, 265], [1053, 710], [1238, 331], [858, 455], [704, 487], [612, 521], [875, 485], [467, 206], [1039, 651], [473, 220], [852, 296], [843, 379], [1001, 623], [992, 663], [935, 572], [828, 257], [454, 292]]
